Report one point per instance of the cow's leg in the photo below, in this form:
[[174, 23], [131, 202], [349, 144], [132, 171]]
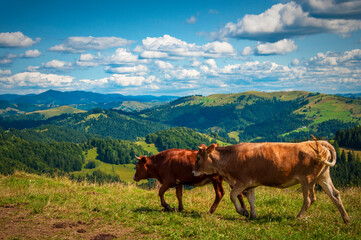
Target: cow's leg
[[251, 196], [241, 201], [179, 191], [234, 197], [326, 183], [243, 204], [162, 190], [312, 194], [306, 187], [219, 191]]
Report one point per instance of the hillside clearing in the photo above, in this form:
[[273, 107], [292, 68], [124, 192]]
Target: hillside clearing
[[34, 207]]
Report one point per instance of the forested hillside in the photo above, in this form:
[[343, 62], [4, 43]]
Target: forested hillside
[[257, 116], [178, 137], [38, 157]]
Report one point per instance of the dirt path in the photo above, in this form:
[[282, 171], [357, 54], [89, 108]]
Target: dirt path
[[16, 222]]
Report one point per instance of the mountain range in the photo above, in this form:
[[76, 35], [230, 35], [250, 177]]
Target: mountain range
[[247, 116]]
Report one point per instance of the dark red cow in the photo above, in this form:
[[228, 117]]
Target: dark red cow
[[173, 168]]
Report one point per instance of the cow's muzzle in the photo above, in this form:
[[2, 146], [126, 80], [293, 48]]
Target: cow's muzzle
[[196, 174]]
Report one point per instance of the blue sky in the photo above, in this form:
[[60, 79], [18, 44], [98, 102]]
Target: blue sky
[[180, 47]]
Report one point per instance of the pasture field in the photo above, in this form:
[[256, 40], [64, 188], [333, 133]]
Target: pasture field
[[124, 171], [38, 207]]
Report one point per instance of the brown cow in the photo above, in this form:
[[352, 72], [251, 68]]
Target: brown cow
[[173, 168], [248, 165]]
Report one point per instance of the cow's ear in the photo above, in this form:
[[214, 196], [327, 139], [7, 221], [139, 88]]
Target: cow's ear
[[211, 148]]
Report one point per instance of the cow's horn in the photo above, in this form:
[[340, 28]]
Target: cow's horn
[[137, 157]]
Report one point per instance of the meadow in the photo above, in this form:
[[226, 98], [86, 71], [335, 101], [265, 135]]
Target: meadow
[[38, 207]]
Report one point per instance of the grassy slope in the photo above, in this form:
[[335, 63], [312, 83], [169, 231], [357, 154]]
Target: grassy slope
[[124, 171], [52, 112], [325, 107], [38, 207], [151, 148]]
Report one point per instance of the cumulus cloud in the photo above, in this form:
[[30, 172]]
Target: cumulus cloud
[[191, 20], [16, 40], [120, 56], [284, 21], [345, 9], [185, 74], [139, 69], [5, 72], [31, 53], [350, 58], [80, 44], [247, 51], [163, 65], [128, 80], [277, 48], [36, 79], [57, 64], [171, 47]]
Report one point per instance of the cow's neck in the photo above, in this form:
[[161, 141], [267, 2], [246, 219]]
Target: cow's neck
[[154, 171], [215, 157]]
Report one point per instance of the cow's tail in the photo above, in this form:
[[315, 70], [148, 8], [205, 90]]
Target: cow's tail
[[323, 149]]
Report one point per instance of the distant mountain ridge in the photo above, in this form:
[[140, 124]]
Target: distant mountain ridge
[[84, 100], [79, 97]]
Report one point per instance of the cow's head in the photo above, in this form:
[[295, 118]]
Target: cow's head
[[142, 168], [204, 162]]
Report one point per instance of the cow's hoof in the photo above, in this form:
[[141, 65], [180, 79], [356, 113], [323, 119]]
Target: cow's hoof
[[167, 208], [245, 213]]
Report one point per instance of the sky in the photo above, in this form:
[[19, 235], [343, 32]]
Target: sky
[[180, 48]]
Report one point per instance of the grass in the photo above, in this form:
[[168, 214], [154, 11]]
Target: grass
[[52, 112], [124, 171], [322, 108], [59, 208], [151, 148]]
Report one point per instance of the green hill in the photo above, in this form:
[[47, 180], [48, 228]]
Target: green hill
[[52, 112], [261, 116]]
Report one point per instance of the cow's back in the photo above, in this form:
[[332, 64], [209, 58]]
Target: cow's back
[[269, 164], [176, 165]]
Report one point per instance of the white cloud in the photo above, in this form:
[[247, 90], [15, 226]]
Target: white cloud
[[295, 62], [191, 20], [163, 65], [16, 40], [247, 51], [36, 79], [139, 69], [171, 47], [5, 72], [86, 57], [280, 47], [80, 44], [153, 54], [7, 59], [348, 58], [185, 74], [57, 64], [31, 53], [284, 21], [127, 80], [120, 56]]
